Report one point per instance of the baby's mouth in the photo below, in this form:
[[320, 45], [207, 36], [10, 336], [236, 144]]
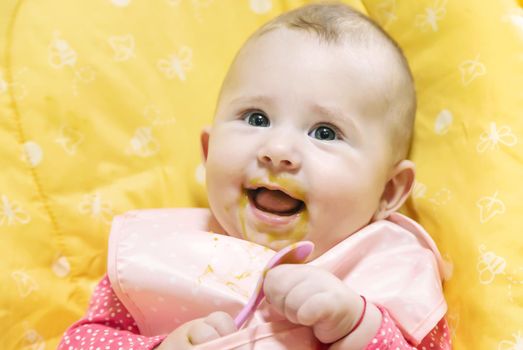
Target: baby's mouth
[[275, 202]]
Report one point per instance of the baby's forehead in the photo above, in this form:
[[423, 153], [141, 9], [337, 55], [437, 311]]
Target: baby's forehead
[[376, 56], [368, 69]]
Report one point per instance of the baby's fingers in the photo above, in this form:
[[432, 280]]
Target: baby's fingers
[[322, 312], [201, 332], [295, 300], [315, 309], [222, 322], [214, 326]]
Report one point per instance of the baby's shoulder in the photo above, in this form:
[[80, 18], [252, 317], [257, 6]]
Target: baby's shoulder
[[200, 219]]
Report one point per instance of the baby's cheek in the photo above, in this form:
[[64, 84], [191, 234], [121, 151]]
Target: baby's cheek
[[338, 211]]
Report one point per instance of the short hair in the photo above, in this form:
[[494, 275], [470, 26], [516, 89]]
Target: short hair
[[337, 23]]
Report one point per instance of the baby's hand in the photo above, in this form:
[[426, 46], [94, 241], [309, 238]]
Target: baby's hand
[[313, 297], [201, 330]]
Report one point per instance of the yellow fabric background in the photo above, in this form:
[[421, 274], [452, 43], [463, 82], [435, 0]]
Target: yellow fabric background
[[101, 104]]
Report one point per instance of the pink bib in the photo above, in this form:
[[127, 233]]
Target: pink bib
[[167, 269]]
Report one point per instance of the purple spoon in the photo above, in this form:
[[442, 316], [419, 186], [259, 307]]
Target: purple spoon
[[295, 253]]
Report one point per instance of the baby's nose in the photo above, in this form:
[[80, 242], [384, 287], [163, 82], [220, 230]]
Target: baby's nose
[[279, 157]]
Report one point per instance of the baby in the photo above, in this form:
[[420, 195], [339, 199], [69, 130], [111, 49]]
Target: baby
[[312, 128]]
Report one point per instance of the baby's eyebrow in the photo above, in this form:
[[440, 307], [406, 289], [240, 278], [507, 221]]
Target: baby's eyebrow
[[334, 114], [261, 99]]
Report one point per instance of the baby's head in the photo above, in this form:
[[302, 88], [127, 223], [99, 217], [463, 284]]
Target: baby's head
[[311, 131]]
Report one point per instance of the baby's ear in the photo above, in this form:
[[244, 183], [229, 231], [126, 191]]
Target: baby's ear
[[396, 190], [204, 140]]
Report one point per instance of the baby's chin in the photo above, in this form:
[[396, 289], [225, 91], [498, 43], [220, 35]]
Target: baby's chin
[[268, 241], [277, 244], [276, 239], [263, 239]]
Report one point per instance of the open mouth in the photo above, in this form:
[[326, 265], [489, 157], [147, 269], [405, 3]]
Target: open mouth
[[275, 202]]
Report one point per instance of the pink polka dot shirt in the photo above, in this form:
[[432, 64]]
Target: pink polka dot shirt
[[109, 326]]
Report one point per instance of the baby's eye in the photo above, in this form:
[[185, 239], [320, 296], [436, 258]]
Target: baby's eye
[[257, 119], [323, 133]]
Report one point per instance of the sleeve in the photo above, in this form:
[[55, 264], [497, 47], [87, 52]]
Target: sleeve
[[108, 325], [389, 336]]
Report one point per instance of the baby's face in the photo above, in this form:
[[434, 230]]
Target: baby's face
[[298, 149]]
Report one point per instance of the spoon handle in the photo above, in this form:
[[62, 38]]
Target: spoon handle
[[251, 305], [295, 253]]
